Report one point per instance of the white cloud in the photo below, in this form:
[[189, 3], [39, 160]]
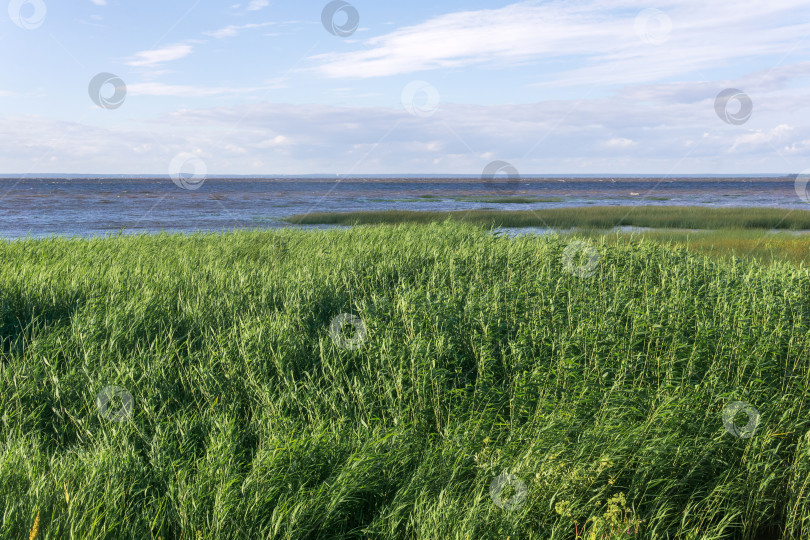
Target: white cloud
[[584, 43], [99, 2], [232, 30], [155, 57], [160, 89], [619, 142], [256, 5], [576, 136], [278, 140], [760, 137], [798, 147], [666, 128]]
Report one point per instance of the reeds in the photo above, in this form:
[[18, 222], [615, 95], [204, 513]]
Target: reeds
[[603, 395], [589, 217]]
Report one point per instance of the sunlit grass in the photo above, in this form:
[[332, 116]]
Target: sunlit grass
[[762, 246], [483, 355]]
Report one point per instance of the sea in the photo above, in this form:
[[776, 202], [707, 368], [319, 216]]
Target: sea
[[64, 205]]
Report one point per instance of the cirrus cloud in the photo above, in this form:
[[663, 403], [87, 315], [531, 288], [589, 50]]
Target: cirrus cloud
[[155, 57]]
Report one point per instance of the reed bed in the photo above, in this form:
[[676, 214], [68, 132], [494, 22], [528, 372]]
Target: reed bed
[[496, 388], [594, 217]]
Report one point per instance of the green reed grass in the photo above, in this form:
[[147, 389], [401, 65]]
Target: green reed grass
[[483, 355], [595, 217]]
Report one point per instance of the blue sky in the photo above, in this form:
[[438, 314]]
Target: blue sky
[[262, 87]]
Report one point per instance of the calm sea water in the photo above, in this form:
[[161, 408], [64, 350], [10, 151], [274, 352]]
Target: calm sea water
[[99, 206]]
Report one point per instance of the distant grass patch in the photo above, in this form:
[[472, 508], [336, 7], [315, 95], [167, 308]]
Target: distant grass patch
[[754, 244], [494, 200], [595, 217], [395, 200], [418, 198]]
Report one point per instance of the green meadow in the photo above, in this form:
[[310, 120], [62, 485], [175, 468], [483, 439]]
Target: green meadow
[[422, 381]]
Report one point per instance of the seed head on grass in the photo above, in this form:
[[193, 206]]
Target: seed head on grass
[[35, 528]]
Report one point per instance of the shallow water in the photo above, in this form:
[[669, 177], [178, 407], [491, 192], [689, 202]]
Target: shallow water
[[100, 206]]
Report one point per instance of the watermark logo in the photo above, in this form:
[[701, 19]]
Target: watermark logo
[[580, 259], [179, 175], [743, 432], [420, 99], [499, 485], [109, 393], [653, 26], [498, 173], [721, 106], [329, 18], [336, 331], [98, 85], [800, 185], [27, 14], [495, 167]]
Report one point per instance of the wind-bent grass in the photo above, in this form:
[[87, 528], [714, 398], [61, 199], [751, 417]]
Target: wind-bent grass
[[595, 217], [483, 354]]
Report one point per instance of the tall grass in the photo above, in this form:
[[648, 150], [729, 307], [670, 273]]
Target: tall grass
[[483, 356], [595, 217]]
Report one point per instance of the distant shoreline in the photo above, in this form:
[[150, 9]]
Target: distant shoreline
[[79, 206], [417, 178]]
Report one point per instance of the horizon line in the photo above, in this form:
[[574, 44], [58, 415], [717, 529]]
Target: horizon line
[[407, 175]]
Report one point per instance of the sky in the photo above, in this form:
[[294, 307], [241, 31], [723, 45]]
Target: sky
[[264, 87]]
